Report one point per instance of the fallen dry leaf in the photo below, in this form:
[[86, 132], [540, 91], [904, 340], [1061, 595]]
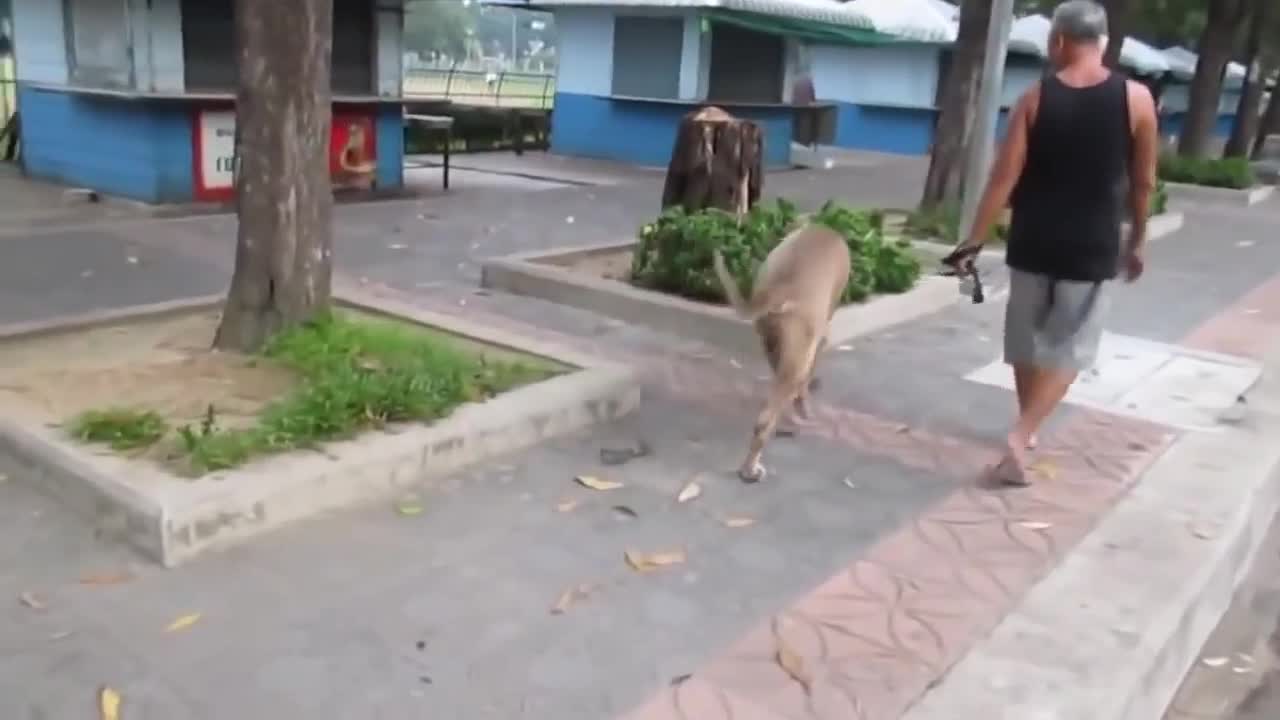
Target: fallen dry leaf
[[183, 622], [739, 521], [1044, 468], [793, 665], [648, 562], [625, 512], [109, 703], [571, 596], [112, 578], [689, 492], [32, 600], [409, 507], [1034, 525], [566, 505], [1214, 662], [595, 483], [1203, 532]]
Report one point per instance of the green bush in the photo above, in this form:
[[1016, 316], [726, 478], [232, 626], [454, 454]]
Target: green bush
[[1159, 199], [1212, 172], [675, 253]]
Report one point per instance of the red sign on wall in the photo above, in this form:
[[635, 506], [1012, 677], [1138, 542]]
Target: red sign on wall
[[352, 153]]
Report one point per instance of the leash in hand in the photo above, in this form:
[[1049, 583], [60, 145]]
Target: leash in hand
[[960, 263]]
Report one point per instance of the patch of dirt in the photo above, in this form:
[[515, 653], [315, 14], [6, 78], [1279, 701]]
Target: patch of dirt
[[610, 266], [163, 365]]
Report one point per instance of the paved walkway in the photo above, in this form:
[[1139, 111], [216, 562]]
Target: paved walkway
[[871, 553]]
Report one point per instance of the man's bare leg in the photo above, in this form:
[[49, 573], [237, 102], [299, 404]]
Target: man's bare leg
[[1023, 378], [1042, 391]]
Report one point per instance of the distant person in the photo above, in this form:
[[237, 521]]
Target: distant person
[[1075, 140]]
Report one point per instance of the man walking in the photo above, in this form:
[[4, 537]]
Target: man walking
[[1072, 140]]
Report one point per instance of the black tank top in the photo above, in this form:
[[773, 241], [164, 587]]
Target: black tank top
[[1067, 204]]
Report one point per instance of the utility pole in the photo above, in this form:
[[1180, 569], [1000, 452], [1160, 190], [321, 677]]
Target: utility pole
[[978, 162]]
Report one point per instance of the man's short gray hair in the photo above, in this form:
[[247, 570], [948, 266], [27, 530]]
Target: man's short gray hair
[[1081, 21]]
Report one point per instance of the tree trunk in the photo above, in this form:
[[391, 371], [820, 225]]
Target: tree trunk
[[954, 130], [716, 162], [1117, 29], [1217, 43], [1270, 124], [284, 199], [1245, 125]]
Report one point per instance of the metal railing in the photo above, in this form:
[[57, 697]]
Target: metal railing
[[477, 87]]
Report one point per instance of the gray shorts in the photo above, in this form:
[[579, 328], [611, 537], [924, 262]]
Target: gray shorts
[[1053, 324]]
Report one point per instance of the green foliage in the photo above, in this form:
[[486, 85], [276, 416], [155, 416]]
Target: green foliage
[[675, 253], [1159, 199], [355, 375], [122, 429], [1211, 172]]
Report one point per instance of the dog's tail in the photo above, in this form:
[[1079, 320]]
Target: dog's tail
[[731, 289], [761, 303]]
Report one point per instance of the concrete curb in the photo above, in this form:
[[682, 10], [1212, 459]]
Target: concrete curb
[[1111, 632], [174, 519], [1184, 193], [539, 274]]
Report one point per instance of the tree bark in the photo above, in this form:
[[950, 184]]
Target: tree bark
[[1216, 45], [954, 130], [1245, 126], [284, 198], [716, 162], [1270, 124], [1117, 30]]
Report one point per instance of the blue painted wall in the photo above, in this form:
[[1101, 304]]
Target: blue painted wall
[[134, 149], [908, 131], [389, 127], [645, 132], [1171, 124]]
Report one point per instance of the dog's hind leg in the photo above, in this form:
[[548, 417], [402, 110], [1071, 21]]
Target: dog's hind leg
[[788, 384], [810, 383]]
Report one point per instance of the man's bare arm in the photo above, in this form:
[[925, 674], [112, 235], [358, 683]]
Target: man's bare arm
[[1142, 164], [1007, 169]]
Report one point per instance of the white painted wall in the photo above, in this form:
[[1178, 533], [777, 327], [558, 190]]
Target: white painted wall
[[905, 76], [1017, 79], [388, 28], [585, 41], [157, 45], [40, 48], [693, 77]]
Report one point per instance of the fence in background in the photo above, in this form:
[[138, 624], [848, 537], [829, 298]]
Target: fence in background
[[477, 87]]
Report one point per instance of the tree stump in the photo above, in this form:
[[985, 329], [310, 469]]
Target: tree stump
[[716, 162], [284, 194]]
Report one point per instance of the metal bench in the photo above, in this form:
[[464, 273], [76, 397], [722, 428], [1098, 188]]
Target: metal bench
[[436, 123]]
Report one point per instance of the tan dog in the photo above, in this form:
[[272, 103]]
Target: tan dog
[[797, 290]]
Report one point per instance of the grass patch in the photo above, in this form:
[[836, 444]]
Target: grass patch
[[355, 375], [1234, 173], [675, 253], [121, 429]]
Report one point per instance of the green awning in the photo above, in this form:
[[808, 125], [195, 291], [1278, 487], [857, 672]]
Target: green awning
[[804, 29]]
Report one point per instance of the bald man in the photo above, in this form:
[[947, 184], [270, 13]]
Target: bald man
[[1081, 146]]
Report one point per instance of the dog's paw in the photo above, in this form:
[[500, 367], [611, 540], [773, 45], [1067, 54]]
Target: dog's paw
[[753, 473]]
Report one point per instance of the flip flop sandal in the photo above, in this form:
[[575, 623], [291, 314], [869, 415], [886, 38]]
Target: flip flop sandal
[[1009, 472]]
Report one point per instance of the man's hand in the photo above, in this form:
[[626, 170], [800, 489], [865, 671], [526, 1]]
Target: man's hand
[[1134, 263], [963, 258]]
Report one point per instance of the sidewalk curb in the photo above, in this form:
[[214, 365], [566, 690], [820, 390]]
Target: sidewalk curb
[[1111, 632]]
